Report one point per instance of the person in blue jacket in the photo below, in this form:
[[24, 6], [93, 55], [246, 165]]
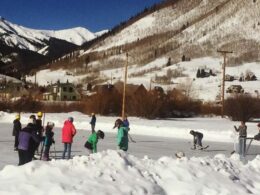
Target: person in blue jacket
[[48, 141], [122, 135], [93, 122], [126, 122]]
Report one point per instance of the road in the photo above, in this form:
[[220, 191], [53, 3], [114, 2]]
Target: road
[[151, 146]]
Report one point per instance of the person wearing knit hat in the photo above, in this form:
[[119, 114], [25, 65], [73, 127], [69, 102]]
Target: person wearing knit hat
[[39, 130], [16, 129], [68, 132], [48, 140], [91, 143]]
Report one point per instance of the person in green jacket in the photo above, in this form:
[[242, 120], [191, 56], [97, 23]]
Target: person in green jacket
[[122, 135], [91, 143]]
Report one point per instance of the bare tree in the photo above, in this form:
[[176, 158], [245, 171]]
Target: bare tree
[[242, 107], [187, 88]]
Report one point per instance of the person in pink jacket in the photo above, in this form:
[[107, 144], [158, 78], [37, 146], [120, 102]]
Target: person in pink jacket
[[68, 132]]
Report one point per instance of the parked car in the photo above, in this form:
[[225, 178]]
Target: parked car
[[235, 89], [229, 77]]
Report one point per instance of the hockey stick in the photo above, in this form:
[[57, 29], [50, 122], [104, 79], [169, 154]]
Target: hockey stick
[[131, 139], [42, 147], [251, 139], [54, 151]]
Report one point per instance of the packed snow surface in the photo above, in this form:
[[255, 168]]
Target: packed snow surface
[[114, 172], [117, 172], [215, 129]]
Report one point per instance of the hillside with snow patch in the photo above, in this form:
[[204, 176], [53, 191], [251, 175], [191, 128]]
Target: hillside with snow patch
[[195, 22], [206, 89]]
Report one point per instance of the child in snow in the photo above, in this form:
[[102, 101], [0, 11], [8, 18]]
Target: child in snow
[[127, 124], [257, 136], [48, 141], [93, 122], [16, 129], [242, 130], [68, 132], [92, 141], [197, 139], [122, 135]]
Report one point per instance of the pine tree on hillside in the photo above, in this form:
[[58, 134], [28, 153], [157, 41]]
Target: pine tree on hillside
[[202, 73], [198, 73]]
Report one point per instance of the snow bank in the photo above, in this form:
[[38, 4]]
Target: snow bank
[[114, 172]]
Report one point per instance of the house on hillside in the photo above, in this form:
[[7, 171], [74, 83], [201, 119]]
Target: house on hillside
[[62, 92], [159, 90], [131, 89], [105, 88], [229, 77], [12, 90]]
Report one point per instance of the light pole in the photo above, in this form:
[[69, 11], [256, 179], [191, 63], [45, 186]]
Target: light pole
[[124, 90], [224, 53]]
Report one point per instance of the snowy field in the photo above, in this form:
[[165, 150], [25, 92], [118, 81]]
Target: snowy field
[[149, 167]]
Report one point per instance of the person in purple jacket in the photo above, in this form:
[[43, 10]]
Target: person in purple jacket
[[25, 140]]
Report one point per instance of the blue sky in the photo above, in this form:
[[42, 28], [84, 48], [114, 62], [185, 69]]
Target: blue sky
[[94, 15]]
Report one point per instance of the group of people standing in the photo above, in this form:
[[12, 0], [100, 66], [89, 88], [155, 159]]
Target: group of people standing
[[69, 131], [29, 138], [122, 135]]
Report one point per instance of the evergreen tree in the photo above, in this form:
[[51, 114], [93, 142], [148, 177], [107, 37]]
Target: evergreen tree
[[198, 73], [202, 73], [183, 58]]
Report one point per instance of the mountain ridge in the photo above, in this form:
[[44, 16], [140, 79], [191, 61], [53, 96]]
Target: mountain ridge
[[44, 45]]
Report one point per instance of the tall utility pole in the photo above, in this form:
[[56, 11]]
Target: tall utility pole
[[224, 53], [123, 104]]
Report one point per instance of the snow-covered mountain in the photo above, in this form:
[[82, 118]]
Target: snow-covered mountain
[[23, 48], [25, 38]]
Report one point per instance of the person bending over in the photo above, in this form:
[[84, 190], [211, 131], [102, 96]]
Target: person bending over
[[197, 139], [92, 141]]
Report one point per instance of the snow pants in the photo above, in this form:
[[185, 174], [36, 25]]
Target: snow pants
[[46, 152], [242, 146], [24, 157], [198, 141], [16, 141]]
